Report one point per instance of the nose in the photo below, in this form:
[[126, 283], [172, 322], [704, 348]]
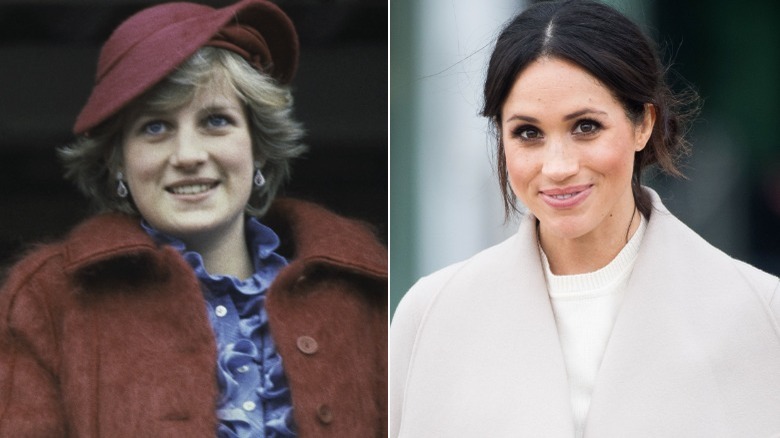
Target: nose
[[189, 148], [560, 161]]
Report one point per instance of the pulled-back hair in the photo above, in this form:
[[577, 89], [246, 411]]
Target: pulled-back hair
[[92, 161], [615, 51]]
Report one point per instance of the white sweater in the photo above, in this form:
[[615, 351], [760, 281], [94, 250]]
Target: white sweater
[[585, 308]]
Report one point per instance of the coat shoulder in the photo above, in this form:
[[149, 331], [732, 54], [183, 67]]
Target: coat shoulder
[[705, 269], [314, 235], [419, 297], [684, 243], [422, 296], [766, 285], [93, 243]]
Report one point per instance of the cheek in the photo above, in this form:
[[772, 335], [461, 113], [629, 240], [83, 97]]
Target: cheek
[[138, 162], [238, 164], [613, 156], [235, 161], [247, 171], [616, 161], [521, 166]]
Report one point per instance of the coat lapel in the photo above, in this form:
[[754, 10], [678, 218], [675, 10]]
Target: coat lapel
[[487, 361], [693, 351]]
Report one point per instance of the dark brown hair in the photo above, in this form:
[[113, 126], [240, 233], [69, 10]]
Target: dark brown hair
[[614, 50]]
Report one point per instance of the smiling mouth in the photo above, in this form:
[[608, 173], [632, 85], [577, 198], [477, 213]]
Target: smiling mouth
[[566, 196], [191, 189]]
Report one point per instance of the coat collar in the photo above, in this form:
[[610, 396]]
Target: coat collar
[[488, 341], [105, 237], [310, 234], [687, 310], [694, 350]]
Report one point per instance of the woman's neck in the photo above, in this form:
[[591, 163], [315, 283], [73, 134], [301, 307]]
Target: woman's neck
[[224, 253], [588, 253]]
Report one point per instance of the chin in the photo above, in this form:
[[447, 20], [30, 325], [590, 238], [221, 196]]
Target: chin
[[192, 225], [565, 228]]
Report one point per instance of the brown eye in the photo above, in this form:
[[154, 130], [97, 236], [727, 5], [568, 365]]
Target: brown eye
[[527, 133], [530, 134], [586, 127]]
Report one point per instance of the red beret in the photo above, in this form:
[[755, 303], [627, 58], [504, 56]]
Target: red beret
[[148, 46]]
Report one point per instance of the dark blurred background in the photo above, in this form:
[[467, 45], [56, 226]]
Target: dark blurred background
[[731, 52], [48, 55]]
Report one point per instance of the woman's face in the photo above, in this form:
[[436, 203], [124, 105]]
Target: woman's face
[[190, 170], [569, 149]]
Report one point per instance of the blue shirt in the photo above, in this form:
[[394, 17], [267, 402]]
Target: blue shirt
[[254, 394]]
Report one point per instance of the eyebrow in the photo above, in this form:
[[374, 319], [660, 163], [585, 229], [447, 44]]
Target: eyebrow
[[567, 117], [219, 107], [582, 112], [216, 108]]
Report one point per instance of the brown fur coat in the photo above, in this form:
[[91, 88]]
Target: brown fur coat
[[105, 334]]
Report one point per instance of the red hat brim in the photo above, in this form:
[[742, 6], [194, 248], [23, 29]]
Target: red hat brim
[[148, 46]]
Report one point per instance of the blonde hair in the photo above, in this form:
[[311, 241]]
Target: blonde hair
[[92, 161]]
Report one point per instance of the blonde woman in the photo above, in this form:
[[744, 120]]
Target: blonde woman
[[194, 303]]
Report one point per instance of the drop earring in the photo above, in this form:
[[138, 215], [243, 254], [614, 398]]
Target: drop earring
[[259, 179], [121, 188]]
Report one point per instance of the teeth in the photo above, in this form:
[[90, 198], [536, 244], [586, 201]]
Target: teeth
[[191, 190], [566, 196]]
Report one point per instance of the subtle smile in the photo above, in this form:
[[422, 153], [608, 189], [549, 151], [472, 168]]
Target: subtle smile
[[567, 197], [191, 189]]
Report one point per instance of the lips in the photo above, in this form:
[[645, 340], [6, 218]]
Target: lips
[[191, 187], [566, 197]]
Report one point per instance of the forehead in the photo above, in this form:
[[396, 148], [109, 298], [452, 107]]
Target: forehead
[[218, 93], [174, 94], [549, 84]]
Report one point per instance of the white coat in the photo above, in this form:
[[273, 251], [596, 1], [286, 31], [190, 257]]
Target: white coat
[[694, 352]]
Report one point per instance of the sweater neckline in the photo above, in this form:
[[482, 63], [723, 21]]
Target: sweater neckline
[[600, 279]]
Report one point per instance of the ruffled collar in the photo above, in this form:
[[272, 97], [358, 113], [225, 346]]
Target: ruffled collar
[[262, 242], [249, 368]]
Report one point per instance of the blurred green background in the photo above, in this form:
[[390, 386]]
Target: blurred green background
[[445, 203]]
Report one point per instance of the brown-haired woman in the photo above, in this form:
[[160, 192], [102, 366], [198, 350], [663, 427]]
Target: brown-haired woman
[[175, 311], [604, 316]]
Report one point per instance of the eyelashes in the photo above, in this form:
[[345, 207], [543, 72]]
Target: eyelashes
[[587, 126], [582, 127], [154, 127], [526, 132], [161, 127], [216, 121]]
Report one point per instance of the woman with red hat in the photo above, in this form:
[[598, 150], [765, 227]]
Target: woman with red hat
[[194, 303]]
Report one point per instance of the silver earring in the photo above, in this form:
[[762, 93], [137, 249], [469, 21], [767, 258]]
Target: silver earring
[[121, 188], [259, 179]]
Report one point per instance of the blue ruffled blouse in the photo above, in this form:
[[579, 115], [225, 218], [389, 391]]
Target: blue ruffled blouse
[[254, 394]]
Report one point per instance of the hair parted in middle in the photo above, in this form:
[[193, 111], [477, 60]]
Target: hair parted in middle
[[92, 161], [613, 49]]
